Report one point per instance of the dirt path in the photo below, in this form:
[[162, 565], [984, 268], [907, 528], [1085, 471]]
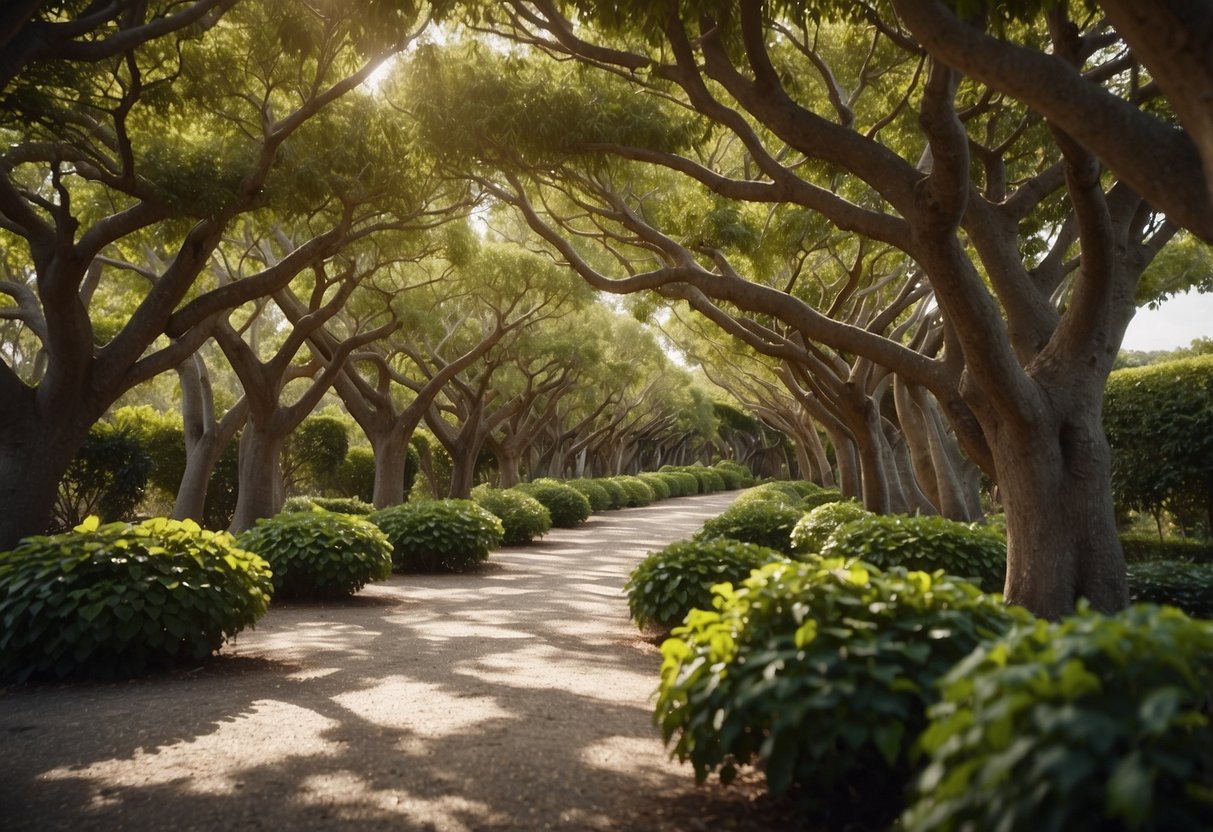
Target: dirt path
[[515, 698]]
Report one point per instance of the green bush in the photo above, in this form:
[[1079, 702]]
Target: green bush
[[636, 490], [1145, 547], [338, 505], [619, 497], [812, 531], [1093, 723], [777, 492], [1188, 586], [734, 474], [522, 517], [439, 535], [114, 600], [822, 672], [595, 492], [668, 584], [567, 506], [320, 554], [707, 480], [677, 484], [765, 523], [928, 543], [313, 452], [107, 477], [657, 484], [820, 498]]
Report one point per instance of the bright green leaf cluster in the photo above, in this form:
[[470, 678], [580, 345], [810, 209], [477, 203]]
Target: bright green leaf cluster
[[668, 584], [439, 535], [1091, 723], [113, 600], [522, 517], [822, 671], [339, 505], [975, 553], [320, 554]]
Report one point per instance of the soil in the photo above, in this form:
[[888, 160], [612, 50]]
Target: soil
[[516, 697]]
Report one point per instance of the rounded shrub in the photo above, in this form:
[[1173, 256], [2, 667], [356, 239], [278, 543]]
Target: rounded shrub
[[320, 554], [765, 523], [689, 482], [1188, 586], [1093, 723], [975, 553], [734, 474], [677, 484], [779, 492], [636, 490], [523, 518], [567, 506], [114, 600], [338, 505], [595, 492], [820, 498], [707, 480], [822, 672], [810, 533], [668, 584], [439, 535], [657, 484], [619, 497]]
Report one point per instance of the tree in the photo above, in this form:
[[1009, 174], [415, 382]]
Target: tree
[[134, 135], [1031, 254]]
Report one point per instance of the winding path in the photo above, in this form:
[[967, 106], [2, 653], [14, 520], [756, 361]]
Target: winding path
[[514, 698]]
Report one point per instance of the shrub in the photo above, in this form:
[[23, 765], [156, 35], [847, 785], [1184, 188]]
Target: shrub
[[814, 528], [1188, 586], [320, 554], [1144, 547], [637, 491], [338, 505], [688, 481], [678, 485], [313, 452], [765, 523], [668, 584], [595, 492], [708, 480], [522, 517], [439, 535], [657, 484], [567, 506], [619, 497], [734, 474], [107, 477], [820, 498], [778, 492], [823, 672], [114, 600], [929, 543], [1091, 723]]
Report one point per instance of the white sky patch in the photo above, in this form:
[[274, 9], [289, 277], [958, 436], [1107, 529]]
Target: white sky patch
[[1176, 323]]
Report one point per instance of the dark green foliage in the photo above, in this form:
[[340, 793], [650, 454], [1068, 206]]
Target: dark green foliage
[[734, 474], [355, 475], [107, 478], [820, 498], [522, 517], [313, 452], [637, 492], [115, 600], [689, 482], [223, 489], [763, 522], [708, 480], [657, 484], [439, 535], [1159, 424], [568, 507], [1093, 723], [975, 553], [676, 485], [163, 438], [619, 497], [1145, 547], [339, 505], [668, 584], [320, 554], [595, 492], [823, 672], [1188, 586], [812, 531]]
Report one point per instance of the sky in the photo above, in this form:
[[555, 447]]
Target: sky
[[1174, 324]]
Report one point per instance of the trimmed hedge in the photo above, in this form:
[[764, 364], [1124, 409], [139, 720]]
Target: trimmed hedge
[[523, 518], [658, 484], [337, 505], [567, 506], [116, 600], [1096, 722], [669, 583], [636, 491], [320, 554], [595, 492], [439, 535], [811, 532], [765, 523]]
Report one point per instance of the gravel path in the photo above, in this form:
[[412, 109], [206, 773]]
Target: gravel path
[[514, 698]]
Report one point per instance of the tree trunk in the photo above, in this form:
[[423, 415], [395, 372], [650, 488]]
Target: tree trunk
[[463, 475], [33, 459], [391, 449], [260, 479], [1061, 527]]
